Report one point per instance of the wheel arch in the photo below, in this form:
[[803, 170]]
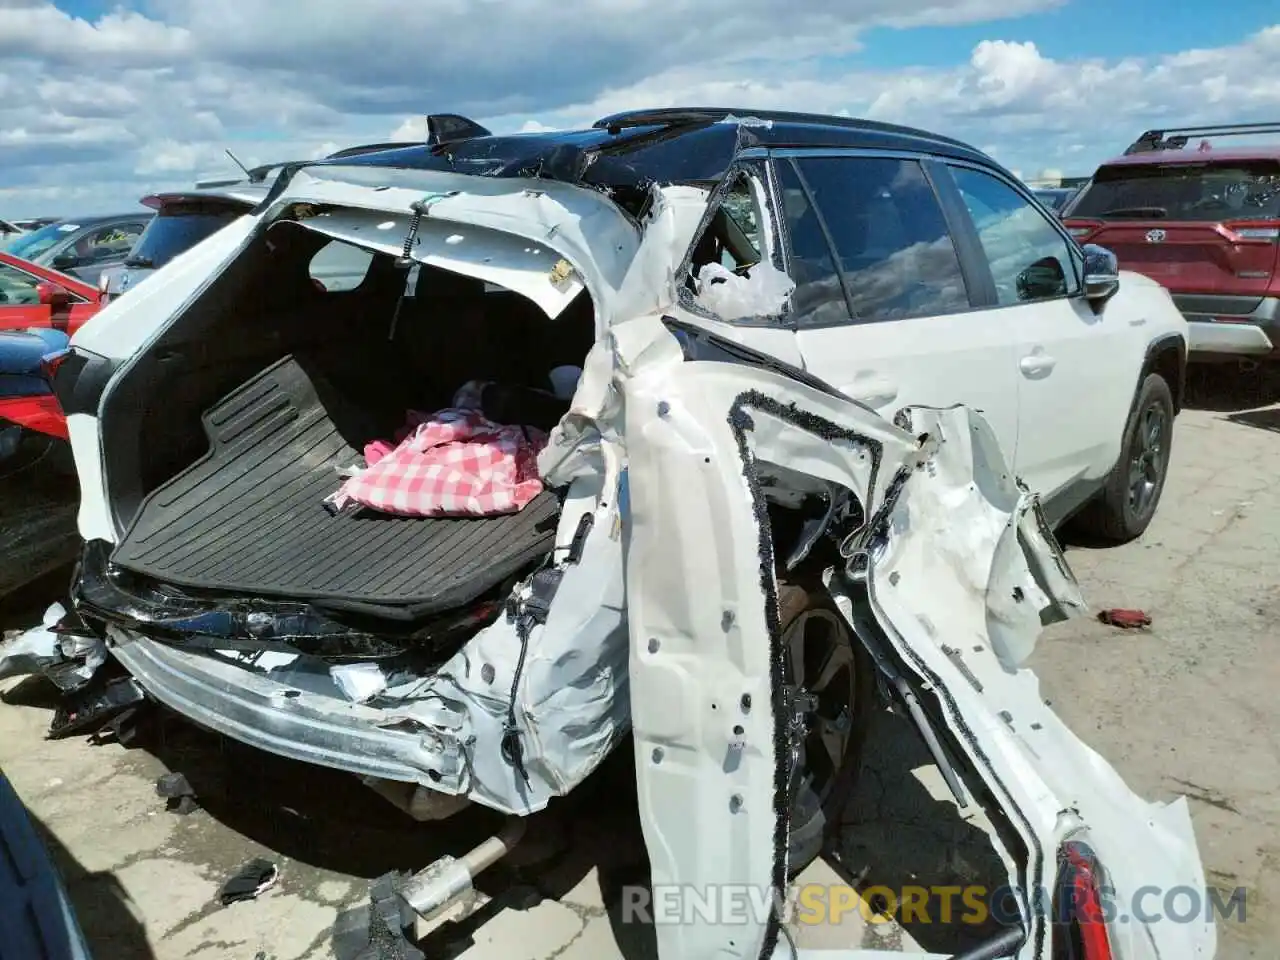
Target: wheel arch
[[1167, 356]]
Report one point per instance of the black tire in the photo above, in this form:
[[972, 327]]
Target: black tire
[[1124, 508], [822, 785]]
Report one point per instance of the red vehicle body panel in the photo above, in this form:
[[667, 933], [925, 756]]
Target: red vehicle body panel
[[1192, 257], [85, 302], [41, 414]]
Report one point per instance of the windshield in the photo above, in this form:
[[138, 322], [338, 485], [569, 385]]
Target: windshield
[[1183, 191], [31, 245], [1053, 199], [175, 231]]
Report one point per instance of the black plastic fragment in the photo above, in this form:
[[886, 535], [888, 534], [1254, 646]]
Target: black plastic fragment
[[180, 797], [254, 878], [123, 727], [542, 590], [65, 675], [89, 708], [580, 537], [380, 929]]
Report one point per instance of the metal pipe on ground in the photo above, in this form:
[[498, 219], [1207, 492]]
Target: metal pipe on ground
[[432, 891]]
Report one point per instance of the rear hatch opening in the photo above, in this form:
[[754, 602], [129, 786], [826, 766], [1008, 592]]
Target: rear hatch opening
[[231, 563]]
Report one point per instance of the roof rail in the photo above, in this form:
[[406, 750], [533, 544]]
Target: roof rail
[[680, 116], [1175, 138]]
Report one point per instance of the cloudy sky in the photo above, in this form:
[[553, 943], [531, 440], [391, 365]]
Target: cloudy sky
[[101, 102]]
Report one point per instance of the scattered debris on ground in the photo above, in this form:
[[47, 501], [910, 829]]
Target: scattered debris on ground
[[380, 929], [1125, 619], [250, 881], [178, 793]]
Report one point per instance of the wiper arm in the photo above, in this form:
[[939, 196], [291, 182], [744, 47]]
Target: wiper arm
[[1135, 212]]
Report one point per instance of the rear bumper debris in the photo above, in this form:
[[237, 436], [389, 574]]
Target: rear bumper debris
[[289, 722]]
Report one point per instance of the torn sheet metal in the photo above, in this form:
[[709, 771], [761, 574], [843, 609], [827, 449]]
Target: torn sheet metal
[[926, 587], [709, 724]]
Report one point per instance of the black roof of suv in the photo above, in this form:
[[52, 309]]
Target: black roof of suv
[[676, 145]]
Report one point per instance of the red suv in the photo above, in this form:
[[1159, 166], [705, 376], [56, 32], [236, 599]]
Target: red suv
[[1202, 221]]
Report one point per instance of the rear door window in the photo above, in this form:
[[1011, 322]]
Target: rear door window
[[877, 224], [1029, 258], [109, 243], [1210, 191]]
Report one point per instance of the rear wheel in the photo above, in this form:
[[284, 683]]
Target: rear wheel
[[1129, 500], [831, 684]]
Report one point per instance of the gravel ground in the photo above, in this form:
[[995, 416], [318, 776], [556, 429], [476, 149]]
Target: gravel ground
[[1186, 707]]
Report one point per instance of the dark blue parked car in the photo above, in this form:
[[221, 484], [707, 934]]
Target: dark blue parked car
[[37, 921]]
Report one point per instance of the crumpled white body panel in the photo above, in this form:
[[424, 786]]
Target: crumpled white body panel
[[961, 561]]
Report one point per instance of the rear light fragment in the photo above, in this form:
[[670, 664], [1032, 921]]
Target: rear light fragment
[[1080, 930]]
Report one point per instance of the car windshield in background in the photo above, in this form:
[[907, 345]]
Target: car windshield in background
[[1054, 199], [1183, 191], [175, 231], [31, 245]]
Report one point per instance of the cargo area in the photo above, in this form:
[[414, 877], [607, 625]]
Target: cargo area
[[277, 384]]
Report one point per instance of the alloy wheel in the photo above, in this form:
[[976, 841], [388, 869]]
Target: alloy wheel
[[1147, 461]]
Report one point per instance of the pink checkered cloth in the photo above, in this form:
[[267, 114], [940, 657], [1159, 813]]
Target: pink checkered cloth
[[453, 462]]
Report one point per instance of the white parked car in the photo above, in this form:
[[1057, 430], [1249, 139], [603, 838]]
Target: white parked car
[[838, 379]]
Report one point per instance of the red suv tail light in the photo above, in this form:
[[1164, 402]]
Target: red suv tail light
[[1081, 228], [1251, 231], [1080, 920]]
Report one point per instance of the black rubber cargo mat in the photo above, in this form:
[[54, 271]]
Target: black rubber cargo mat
[[249, 517]]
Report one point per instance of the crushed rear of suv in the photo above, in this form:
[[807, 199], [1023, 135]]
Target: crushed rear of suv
[[1203, 222]]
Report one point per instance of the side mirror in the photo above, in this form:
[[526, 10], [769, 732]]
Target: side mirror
[[65, 261], [52, 295], [1101, 273]]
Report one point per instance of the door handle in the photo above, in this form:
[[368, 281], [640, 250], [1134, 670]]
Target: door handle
[[1037, 365]]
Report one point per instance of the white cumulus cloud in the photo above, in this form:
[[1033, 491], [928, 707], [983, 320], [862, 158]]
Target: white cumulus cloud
[[95, 113]]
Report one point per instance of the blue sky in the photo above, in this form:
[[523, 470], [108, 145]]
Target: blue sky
[[1083, 28], [105, 102]]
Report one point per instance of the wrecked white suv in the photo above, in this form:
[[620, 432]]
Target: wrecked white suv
[[831, 383]]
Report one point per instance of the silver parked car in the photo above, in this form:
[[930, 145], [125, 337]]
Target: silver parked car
[[83, 247]]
